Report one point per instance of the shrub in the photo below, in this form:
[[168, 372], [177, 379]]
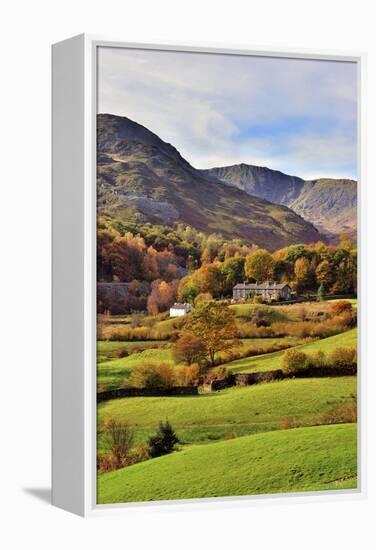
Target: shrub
[[341, 414], [317, 359], [106, 462], [139, 454], [223, 372], [137, 320], [262, 323], [118, 437], [187, 376], [152, 376], [343, 306], [293, 361], [288, 423], [126, 333], [343, 357], [163, 442], [121, 352], [257, 300], [203, 297]]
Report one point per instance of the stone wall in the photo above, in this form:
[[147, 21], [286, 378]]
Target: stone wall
[[250, 378], [145, 392]]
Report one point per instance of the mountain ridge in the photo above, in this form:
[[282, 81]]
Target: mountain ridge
[[141, 177], [328, 203]]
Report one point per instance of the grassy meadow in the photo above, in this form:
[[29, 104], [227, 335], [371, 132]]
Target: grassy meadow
[[304, 459], [234, 411], [281, 436]]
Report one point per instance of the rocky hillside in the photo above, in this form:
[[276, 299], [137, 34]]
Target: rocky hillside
[[330, 204], [142, 178]]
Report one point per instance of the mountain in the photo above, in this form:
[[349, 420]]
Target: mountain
[[142, 178], [330, 204]]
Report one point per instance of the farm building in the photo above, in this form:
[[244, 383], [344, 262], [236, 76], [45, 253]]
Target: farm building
[[178, 310], [268, 291]]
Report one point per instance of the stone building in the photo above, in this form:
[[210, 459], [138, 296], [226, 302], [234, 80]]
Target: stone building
[[270, 292]]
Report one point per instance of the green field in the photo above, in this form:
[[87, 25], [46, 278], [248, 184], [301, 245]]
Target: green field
[[235, 441], [237, 411], [114, 373], [106, 349], [305, 459], [272, 361]]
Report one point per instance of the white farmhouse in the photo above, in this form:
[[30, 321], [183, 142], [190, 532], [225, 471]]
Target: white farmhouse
[[178, 309]]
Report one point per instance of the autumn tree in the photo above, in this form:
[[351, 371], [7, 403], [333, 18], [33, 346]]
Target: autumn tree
[[208, 278], [188, 289], [259, 265], [189, 348], [304, 275], [214, 323], [325, 274], [162, 296]]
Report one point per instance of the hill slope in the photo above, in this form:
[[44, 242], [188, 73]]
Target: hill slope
[[305, 459], [238, 410], [330, 204], [142, 178]]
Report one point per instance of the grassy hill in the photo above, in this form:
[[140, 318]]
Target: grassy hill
[[272, 361], [144, 179], [236, 411], [305, 459], [113, 372]]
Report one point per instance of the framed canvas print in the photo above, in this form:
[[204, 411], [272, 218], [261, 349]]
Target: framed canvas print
[[206, 275]]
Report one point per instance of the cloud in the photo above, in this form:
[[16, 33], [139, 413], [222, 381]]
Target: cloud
[[289, 114]]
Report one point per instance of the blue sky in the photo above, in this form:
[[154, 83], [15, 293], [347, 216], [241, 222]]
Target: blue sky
[[297, 116]]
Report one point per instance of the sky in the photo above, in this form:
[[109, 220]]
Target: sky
[[294, 115]]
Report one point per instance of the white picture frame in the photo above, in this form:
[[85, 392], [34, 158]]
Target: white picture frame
[[74, 276]]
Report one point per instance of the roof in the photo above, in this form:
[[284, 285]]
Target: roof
[[180, 306], [263, 286]]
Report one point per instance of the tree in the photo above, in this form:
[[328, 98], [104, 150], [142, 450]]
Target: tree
[[189, 348], [325, 274], [163, 442], [321, 293], [214, 323], [188, 289], [282, 271], [208, 279], [303, 274], [232, 272], [118, 437], [259, 265], [162, 296]]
